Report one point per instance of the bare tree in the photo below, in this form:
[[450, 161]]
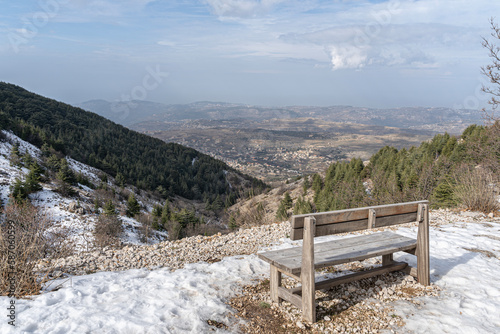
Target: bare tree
[[492, 71]]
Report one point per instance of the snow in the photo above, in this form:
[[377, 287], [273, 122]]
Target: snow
[[138, 301], [160, 301], [470, 302]]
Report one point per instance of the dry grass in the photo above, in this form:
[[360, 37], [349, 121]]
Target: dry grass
[[107, 231], [26, 236], [475, 189]]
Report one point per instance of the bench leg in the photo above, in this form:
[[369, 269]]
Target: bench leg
[[275, 282], [307, 272], [387, 259], [422, 252]]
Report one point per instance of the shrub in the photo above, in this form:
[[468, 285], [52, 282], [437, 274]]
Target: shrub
[[474, 189], [146, 227], [107, 231], [26, 237]]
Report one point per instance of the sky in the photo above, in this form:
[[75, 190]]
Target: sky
[[264, 52]]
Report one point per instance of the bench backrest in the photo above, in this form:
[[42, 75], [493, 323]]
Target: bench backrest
[[342, 221]]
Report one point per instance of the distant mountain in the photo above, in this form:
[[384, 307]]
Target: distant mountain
[[145, 162], [135, 112]]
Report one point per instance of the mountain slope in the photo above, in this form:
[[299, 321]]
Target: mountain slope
[[146, 162]]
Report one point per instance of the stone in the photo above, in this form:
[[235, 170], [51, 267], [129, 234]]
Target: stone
[[73, 206], [300, 324]]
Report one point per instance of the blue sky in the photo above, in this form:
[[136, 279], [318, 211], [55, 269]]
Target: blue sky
[[265, 52]]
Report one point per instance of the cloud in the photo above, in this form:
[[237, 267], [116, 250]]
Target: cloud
[[241, 8], [359, 46], [347, 56]]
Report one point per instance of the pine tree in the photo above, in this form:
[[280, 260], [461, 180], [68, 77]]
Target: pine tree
[[19, 192], [281, 214], [97, 205], [120, 180], [133, 206], [15, 155], [217, 204], [32, 182], [287, 201], [109, 209], [305, 185], [232, 222]]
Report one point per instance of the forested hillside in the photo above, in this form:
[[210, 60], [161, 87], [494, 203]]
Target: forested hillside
[[137, 159], [447, 170]]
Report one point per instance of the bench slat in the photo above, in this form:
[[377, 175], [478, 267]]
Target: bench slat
[[331, 217], [330, 283], [279, 254], [356, 225], [341, 251]]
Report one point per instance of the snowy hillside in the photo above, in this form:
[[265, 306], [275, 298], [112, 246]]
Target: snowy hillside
[[77, 224]]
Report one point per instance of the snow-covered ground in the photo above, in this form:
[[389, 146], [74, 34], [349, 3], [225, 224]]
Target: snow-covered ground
[[465, 263]]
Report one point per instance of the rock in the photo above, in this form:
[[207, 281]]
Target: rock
[[327, 318], [73, 206], [57, 273], [491, 215], [300, 325]]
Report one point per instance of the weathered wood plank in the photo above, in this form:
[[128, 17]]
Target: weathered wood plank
[[275, 283], [356, 225], [285, 294], [347, 241], [330, 283], [372, 216], [307, 271], [412, 271], [387, 259], [422, 252], [331, 217], [341, 251]]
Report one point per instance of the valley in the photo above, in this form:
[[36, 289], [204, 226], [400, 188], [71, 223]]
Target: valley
[[277, 143], [278, 149]]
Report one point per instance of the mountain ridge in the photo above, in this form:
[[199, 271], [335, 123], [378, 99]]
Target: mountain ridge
[[143, 161]]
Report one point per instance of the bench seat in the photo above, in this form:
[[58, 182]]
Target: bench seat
[[330, 253]]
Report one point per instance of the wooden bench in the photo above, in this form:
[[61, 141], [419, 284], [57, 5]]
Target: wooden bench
[[300, 262]]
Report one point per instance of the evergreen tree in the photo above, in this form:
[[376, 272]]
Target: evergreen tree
[[32, 182], [232, 222], [133, 206], [19, 192], [287, 201], [120, 180], [217, 204], [97, 205], [110, 209], [281, 214], [302, 206], [442, 196], [305, 185], [15, 155]]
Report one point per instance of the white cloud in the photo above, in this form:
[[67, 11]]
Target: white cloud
[[241, 8], [347, 56]]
